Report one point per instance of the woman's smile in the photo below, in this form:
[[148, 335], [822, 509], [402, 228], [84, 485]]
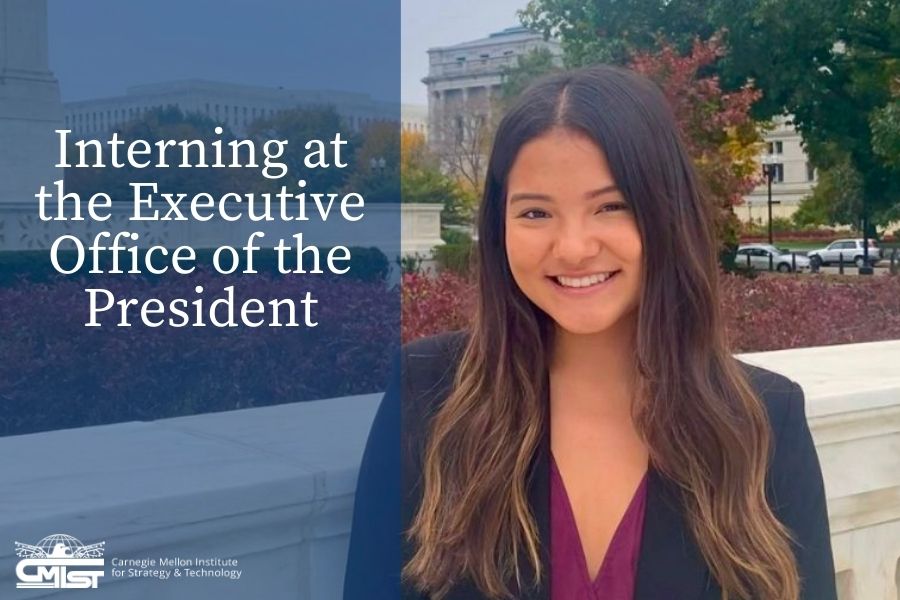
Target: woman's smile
[[585, 284]]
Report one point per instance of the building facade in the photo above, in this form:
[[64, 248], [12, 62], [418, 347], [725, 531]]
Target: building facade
[[230, 104], [414, 118], [463, 79], [794, 177]]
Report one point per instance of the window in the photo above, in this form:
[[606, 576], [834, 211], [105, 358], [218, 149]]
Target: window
[[775, 147], [810, 172], [778, 169]]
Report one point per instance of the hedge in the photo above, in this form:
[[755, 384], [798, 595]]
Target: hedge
[[768, 312]]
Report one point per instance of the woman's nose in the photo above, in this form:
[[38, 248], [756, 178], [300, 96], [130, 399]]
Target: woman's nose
[[574, 244]]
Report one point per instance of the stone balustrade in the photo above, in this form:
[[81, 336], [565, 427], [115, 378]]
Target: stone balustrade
[[273, 487]]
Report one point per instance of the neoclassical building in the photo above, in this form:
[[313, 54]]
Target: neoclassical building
[[463, 78], [232, 104]]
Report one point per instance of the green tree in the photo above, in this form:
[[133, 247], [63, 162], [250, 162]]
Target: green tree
[[168, 123], [528, 67], [610, 31], [885, 124], [836, 199], [298, 126], [376, 167], [829, 63], [421, 180]]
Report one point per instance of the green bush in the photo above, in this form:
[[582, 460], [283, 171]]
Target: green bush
[[366, 264], [455, 257], [455, 236]]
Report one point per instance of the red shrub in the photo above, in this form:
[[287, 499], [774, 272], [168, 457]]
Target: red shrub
[[432, 304], [771, 313], [766, 313]]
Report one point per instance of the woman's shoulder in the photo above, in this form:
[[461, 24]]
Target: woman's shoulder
[[436, 347], [782, 397], [430, 360], [428, 369]]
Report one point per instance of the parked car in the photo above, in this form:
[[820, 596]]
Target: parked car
[[850, 250], [781, 259]]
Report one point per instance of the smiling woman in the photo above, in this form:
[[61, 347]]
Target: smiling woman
[[562, 206], [593, 436]]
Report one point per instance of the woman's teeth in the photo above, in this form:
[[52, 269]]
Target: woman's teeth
[[577, 282]]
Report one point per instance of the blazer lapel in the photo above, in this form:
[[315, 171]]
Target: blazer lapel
[[670, 564], [539, 499]]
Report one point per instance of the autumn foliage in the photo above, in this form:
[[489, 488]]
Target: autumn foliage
[[766, 313], [717, 128]]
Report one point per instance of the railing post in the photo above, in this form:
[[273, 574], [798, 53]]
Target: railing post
[[771, 262], [841, 263], [793, 262]]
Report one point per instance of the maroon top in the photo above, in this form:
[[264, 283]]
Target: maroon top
[[569, 578]]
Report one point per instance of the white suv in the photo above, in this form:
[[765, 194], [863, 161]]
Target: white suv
[[848, 251]]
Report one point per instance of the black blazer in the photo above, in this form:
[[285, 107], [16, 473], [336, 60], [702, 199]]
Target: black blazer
[[670, 566]]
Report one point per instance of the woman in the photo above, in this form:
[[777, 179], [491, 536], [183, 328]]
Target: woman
[[592, 436]]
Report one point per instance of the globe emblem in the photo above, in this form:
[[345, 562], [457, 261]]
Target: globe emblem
[[60, 545]]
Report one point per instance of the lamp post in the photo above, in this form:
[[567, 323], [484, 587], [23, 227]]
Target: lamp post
[[769, 170], [866, 268], [377, 165]]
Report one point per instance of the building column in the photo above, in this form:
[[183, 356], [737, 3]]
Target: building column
[[30, 105]]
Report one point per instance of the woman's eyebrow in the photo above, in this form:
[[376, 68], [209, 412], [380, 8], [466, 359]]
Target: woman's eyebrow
[[601, 191], [547, 197]]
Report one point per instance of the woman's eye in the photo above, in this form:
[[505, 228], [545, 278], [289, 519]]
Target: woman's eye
[[533, 214], [612, 207]]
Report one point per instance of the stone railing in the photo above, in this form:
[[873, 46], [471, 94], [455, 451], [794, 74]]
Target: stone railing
[[273, 487], [853, 409]]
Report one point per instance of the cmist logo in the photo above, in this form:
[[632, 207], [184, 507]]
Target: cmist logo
[[59, 561]]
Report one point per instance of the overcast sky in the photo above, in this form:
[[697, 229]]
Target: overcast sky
[[100, 47]]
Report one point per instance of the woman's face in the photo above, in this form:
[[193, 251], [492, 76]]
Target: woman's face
[[573, 244]]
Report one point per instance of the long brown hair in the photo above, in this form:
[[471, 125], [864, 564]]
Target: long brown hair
[[707, 431]]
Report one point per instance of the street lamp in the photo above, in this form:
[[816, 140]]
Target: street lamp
[[866, 268], [769, 167], [377, 164]]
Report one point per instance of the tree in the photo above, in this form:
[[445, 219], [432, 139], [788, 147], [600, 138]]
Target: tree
[[168, 123], [836, 199], [885, 124], [528, 67], [463, 135], [421, 180], [376, 167], [298, 126], [611, 31], [720, 135], [829, 63]]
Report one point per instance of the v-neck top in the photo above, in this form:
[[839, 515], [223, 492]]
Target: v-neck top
[[569, 577]]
